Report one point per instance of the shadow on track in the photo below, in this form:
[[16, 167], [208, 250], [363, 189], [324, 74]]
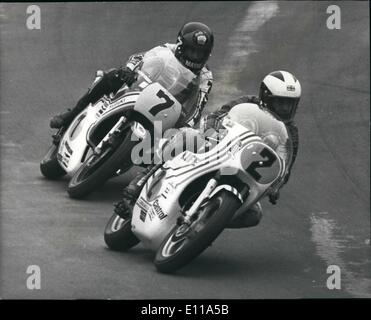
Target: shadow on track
[[214, 266]]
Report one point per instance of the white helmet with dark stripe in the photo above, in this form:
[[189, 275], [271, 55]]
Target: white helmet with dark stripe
[[280, 93]]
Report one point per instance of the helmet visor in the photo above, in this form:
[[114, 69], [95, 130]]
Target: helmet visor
[[283, 107], [195, 54]]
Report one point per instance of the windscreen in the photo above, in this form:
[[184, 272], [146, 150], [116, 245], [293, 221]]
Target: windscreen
[[161, 66], [245, 116]]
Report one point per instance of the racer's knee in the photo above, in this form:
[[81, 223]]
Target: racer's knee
[[133, 189], [248, 218], [99, 75], [105, 82], [100, 86], [255, 214]]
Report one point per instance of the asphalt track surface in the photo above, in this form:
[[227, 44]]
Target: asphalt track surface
[[323, 215]]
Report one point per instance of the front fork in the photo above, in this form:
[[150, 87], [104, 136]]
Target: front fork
[[189, 215], [108, 137]]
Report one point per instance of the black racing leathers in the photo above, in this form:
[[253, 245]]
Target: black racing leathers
[[104, 84], [111, 81]]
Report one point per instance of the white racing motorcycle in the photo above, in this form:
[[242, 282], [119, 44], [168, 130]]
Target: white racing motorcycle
[[97, 145], [187, 203]]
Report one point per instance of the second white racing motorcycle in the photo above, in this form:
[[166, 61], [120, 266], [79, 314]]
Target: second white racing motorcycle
[[188, 202], [97, 144]]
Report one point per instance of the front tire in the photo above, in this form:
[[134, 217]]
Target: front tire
[[49, 165], [118, 235], [184, 243], [87, 179]]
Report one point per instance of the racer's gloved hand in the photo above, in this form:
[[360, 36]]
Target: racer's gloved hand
[[126, 75], [255, 100], [212, 120], [273, 197], [63, 119]]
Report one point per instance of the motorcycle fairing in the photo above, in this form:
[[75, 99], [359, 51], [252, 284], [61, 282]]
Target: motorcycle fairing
[[165, 109], [77, 139], [158, 208]]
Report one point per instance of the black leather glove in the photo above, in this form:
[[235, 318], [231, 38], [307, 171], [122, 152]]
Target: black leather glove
[[126, 75], [255, 100], [273, 197]]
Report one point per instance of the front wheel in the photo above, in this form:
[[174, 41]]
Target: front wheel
[[184, 242], [49, 165], [118, 235], [99, 168]]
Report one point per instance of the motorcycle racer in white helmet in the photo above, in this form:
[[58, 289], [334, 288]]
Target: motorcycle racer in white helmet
[[279, 93]]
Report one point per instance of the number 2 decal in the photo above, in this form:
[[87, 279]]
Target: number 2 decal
[[161, 106], [265, 153]]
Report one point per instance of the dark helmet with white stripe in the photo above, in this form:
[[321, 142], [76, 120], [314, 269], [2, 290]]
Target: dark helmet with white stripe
[[194, 45], [280, 93]]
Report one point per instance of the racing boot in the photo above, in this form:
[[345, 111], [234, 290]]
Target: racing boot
[[246, 219], [65, 119], [62, 120], [124, 208], [104, 83]]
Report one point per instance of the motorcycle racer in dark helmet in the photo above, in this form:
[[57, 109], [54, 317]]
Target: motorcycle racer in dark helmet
[[194, 45], [280, 94], [193, 48]]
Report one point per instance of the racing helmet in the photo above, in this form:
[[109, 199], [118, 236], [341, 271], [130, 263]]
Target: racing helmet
[[280, 93], [194, 45]]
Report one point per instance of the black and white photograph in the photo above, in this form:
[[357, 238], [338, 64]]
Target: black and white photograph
[[173, 150]]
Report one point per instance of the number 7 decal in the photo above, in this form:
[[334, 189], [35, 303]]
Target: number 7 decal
[[161, 106]]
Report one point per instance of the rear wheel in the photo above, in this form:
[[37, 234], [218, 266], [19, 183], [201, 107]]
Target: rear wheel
[[99, 168], [49, 165], [184, 242], [118, 235]]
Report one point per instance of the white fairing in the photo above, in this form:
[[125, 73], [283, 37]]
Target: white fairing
[[238, 153], [263, 124], [160, 92], [74, 144], [149, 99], [74, 148]]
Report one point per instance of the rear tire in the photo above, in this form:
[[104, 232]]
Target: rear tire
[[221, 209], [49, 165], [84, 182], [118, 235]]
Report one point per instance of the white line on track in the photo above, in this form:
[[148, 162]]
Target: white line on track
[[2, 12], [329, 248], [10, 145], [240, 46]]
